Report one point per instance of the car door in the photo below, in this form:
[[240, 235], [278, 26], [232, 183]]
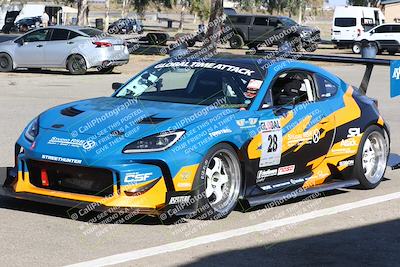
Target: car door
[[259, 29], [30, 52], [295, 136], [58, 48], [381, 34]]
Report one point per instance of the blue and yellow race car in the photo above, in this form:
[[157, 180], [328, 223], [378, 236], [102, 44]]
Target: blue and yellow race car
[[190, 136]]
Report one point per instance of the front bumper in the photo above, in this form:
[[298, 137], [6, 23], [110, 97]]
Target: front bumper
[[21, 182]]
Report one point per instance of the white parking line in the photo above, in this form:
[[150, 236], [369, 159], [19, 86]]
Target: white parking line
[[176, 246]]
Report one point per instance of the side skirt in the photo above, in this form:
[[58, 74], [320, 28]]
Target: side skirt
[[335, 184]]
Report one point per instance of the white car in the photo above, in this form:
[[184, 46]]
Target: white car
[[349, 22], [70, 47], [384, 37]]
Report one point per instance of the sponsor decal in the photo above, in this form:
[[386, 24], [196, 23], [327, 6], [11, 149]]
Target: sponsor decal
[[270, 125], [88, 145], [136, 177], [206, 65], [61, 159], [219, 132], [308, 137], [79, 143], [271, 148], [286, 170], [396, 73], [353, 132], [247, 123], [348, 142], [263, 174], [395, 78], [184, 185], [346, 163], [179, 200], [287, 183]]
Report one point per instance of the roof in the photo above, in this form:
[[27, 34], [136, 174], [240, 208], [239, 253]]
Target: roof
[[387, 2]]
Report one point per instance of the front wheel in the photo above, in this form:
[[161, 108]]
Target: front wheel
[[236, 42], [6, 63], [371, 159], [220, 182]]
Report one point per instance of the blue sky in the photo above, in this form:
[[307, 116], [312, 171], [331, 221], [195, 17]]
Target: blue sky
[[337, 2]]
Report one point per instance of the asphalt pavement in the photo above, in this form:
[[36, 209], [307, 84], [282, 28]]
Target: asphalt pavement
[[343, 227]]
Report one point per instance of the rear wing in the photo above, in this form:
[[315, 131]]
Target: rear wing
[[368, 62]]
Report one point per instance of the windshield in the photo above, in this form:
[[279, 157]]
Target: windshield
[[92, 32], [288, 21], [200, 83]]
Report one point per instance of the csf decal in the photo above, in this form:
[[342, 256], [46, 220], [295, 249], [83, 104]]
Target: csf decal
[[394, 78], [136, 177]]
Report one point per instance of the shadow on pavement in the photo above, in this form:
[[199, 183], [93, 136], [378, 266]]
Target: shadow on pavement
[[372, 245]]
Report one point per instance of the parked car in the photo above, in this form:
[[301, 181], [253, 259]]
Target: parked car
[[27, 24], [126, 25], [253, 30], [72, 47], [385, 37], [349, 22]]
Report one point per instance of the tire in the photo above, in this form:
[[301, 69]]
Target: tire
[[285, 46], [296, 44], [392, 53], [253, 46], [356, 48], [236, 41], [311, 48], [76, 65], [220, 182], [106, 70], [191, 42], [6, 63], [372, 157]]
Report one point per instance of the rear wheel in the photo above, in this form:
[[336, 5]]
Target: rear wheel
[[220, 183], [76, 65], [372, 156], [356, 48], [236, 41], [311, 47], [6, 63], [392, 53]]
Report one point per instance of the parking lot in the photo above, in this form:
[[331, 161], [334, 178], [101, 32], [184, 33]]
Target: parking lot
[[351, 225]]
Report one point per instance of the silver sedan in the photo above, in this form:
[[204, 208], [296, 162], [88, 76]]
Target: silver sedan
[[72, 47]]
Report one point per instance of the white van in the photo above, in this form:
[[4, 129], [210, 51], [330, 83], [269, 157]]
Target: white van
[[349, 22]]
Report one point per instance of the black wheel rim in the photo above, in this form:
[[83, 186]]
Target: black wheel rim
[[78, 64], [4, 62]]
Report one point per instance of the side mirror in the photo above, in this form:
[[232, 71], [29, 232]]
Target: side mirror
[[20, 41], [116, 86], [371, 32]]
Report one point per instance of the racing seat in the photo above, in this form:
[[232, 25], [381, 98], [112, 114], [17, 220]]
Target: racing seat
[[290, 91], [206, 84]]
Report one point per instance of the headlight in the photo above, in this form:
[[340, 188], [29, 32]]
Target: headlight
[[32, 130], [154, 143], [306, 33]]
